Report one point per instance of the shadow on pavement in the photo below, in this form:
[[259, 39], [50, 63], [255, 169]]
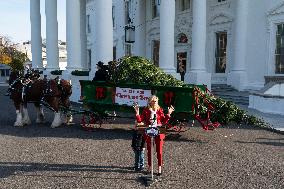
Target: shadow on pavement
[[12, 168], [272, 143]]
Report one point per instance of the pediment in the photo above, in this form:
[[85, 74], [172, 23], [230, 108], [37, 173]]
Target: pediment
[[220, 19], [279, 9]]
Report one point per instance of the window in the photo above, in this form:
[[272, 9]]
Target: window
[[113, 16], [221, 0], [181, 61], [89, 58], [221, 49], [279, 52], [88, 24], [184, 5], [114, 53], [155, 8], [127, 12], [3, 73], [127, 49], [156, 49], [7, 72]]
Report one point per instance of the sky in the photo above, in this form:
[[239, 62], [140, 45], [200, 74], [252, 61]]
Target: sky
[[15, 19]]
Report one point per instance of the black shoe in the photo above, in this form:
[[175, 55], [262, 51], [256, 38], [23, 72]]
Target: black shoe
[[147, 172], [159, 174]]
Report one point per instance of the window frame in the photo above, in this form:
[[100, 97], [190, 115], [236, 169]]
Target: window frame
[[183, 6], [155, 8], [88, 24], [221, 50]]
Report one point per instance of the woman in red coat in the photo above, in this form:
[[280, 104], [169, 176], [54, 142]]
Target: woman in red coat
[[153, 115]]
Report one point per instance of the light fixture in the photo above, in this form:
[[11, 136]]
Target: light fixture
[[129, 33]]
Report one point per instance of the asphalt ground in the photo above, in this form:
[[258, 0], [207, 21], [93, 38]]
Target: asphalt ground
[[39, 157]]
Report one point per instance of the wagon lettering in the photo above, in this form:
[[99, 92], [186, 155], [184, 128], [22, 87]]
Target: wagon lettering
[[127, 96]]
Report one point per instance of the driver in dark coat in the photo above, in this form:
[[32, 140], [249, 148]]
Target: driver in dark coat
[[101, 73]]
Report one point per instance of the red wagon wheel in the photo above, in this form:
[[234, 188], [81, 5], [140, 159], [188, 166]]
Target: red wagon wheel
[[91, 121], [202, 109]]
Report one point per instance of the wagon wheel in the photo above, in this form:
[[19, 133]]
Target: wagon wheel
[[91, 121], [202, 109], [179, 126]]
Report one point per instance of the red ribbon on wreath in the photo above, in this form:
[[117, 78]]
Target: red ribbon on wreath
[[100, 93], [169, 98]]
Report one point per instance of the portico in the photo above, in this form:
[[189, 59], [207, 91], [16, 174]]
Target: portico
[[75, 34], [103, 36]]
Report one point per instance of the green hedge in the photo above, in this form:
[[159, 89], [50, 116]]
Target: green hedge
[[80, 73], [56, 72]]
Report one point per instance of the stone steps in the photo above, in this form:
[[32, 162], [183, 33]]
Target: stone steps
[[230, 94]]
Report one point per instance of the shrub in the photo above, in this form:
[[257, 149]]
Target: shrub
[[139, 70], [80, 73], [56, 72]]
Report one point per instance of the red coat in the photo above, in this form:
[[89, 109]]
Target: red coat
[[146, 116]]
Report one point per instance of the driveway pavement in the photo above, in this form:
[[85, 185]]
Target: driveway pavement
[[39, 157]]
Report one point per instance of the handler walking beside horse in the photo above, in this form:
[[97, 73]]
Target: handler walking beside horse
[[153, 115]]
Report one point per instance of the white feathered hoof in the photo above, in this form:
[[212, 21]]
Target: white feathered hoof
[[26, 118], [40, 115], [26, 121], [18, 124], [57, 120], [19, 119], [69, 119]]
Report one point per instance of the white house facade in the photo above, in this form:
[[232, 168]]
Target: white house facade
[[233, 42]]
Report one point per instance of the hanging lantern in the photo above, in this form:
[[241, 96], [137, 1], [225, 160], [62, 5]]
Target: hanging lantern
[[129, 34]]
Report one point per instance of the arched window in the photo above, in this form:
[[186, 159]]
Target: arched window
[[182, 38]]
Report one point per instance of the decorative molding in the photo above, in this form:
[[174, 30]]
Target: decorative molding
[[220, 18], [214, 3], [89, 1], [183, 24], [279, 9]]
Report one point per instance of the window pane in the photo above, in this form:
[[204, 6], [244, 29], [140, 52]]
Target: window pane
[[155, 8], [221, 50], [88, 24], [184, 5], [127, 49], [156, 48], [279, 50], [113, 16]]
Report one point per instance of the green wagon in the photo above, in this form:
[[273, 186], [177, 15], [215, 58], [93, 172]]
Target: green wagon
[[104, 100]]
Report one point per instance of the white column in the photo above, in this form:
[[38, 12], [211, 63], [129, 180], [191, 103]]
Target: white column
[[139, 47], [103, 44], [73, 35], [83, 35], [52, 56], [36, 40], [198, 73], [237, 76], [167, 37], [119, 41]]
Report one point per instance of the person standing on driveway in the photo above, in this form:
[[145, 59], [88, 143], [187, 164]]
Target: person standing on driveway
[[138, 146], [153, 115]]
